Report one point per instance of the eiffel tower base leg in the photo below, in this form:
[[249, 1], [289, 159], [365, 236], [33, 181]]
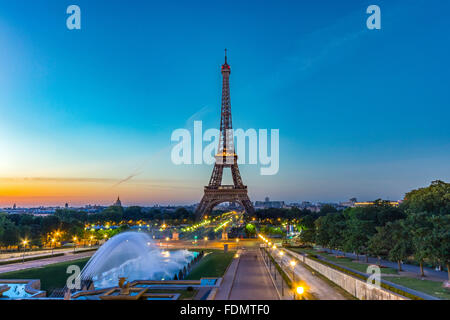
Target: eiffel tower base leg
[[213, 197]]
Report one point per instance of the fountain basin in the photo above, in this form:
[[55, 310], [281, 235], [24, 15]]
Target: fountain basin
[[135, 256]]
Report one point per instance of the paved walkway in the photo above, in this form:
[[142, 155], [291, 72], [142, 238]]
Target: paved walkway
[[44, 262], [430, 273], [11, 256], [384, 279], [247, 279], [17, 257], [318, 287]]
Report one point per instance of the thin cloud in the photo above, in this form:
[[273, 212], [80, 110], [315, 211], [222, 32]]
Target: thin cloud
[[140, 168], [55, 179]]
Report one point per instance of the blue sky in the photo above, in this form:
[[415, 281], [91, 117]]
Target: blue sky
[[361, 112]]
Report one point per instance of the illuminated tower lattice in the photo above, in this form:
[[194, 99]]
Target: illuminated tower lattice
[[216, 193]]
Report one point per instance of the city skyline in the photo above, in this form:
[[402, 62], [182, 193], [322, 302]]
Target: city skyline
[[266, 198], [88, 114]]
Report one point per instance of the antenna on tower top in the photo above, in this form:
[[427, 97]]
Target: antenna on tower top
[[225, 55]]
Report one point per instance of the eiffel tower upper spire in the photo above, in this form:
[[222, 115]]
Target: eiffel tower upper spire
[[226, 66], [226, 139]]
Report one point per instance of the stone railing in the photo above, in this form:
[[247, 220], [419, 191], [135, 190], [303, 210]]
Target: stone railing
[[356, 287]]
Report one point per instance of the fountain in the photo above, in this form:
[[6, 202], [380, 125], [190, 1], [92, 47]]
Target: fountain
[[135, 256]]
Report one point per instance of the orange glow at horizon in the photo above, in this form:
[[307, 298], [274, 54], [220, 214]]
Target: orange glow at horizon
[[35, 192]]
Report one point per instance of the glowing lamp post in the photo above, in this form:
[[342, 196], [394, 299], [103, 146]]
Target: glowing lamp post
[[24, 243], [206, 242], [74, 243], [53, 244], [299, 291], [293, 263]]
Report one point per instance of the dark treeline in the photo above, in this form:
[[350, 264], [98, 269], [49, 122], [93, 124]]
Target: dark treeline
[[117, 214], [14, 228], [292, 213]]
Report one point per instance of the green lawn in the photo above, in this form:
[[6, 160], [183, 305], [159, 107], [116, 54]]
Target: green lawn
[[346, 262], [212, 265], [52, 276], [427, 286], [358, 266], [304, 250]]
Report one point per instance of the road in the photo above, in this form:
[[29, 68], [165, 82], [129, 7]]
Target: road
[[252, 281], [247, 279], [43, 262]]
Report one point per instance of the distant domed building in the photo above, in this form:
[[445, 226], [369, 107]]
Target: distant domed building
[[118, 203]]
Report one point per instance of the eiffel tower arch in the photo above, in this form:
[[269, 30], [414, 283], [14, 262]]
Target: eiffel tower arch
[[226, 157]]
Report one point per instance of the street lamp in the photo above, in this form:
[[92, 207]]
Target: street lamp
[[300, 290], [293, 263], [206, 242], [24, 243], [53, 244], [75, 243]]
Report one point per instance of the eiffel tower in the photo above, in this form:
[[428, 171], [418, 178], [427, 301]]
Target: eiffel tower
[[216, 193]]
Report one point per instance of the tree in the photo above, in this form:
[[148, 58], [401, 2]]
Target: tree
[[380, 243], [250, 229], [50, 224], [9, 233], [326, 209], [420, 228], [322, 232], [133, 213], [307, 229], [401, 247], [434, 199], [330, 230], [386, 213], [338, 225], [113, 213], [181, 213], [440, 241], [363, 223], [357, 235]]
